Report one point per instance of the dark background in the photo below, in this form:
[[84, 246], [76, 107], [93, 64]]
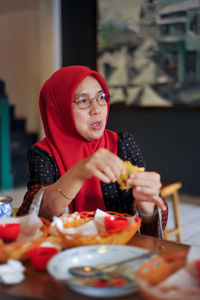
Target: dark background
[[168, 137]]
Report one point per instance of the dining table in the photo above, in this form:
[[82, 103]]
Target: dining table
[[41, 285]]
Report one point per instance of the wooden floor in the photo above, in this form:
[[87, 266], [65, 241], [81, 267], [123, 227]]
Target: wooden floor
[[189, 213]]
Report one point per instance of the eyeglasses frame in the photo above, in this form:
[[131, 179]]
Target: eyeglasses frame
[[91, 100]]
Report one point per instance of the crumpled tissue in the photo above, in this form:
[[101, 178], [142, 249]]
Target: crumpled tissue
[[30, 226], [12, 272]]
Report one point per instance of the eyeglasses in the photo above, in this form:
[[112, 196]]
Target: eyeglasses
[[86, 101]]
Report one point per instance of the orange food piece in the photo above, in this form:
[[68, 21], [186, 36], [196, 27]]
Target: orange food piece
[[129, 170]]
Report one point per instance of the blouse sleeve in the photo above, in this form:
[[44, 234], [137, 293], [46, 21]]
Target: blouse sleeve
[[42, 172], [129, 150]]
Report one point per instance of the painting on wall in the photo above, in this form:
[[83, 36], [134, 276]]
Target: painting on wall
[[149, 51]]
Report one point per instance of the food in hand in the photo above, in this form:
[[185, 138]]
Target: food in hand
[[115, 223], [9, 232], [129, 170]]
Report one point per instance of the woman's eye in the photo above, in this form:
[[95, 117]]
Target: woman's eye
[[82, 100], [103, 96]]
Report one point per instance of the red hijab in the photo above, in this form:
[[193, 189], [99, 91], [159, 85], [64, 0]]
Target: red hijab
[[62, 140]]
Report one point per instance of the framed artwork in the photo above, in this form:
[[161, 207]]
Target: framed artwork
[[149, 51]]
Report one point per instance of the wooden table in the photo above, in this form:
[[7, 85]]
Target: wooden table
[[40, 285]]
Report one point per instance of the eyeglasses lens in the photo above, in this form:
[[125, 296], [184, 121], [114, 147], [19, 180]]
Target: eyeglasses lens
[[85, 102]]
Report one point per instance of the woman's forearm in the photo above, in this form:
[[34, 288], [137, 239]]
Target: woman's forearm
[[60, 194]]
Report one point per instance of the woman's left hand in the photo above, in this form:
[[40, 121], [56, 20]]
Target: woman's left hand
[[146, 190]]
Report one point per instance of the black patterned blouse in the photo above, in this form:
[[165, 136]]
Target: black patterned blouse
[[43, 171]]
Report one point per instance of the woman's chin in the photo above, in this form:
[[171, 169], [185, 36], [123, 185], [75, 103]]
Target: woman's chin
[[95, 136]]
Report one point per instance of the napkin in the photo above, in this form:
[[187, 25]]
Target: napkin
[[30, 226], [12, 272]]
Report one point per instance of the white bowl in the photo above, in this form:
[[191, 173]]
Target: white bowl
[[94, 255]]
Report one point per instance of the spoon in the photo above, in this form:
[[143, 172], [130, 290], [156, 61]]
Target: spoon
[[90, 271]]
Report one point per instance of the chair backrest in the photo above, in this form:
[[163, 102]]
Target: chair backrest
[[169, 188]]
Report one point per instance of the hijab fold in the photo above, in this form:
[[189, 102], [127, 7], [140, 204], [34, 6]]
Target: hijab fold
[[63, 141]]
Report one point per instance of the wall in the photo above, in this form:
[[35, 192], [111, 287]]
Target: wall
[[79, 32], [27, 53], [169, 140]]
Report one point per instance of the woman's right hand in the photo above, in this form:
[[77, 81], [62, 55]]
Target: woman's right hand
[[103, 164]]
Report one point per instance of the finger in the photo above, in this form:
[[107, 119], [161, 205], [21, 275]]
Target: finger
[[137, 180], [159, 202], [149, 198], [116, 165], [108, 171], [101, 176], [148, 190], [106, 158], [145, 176]]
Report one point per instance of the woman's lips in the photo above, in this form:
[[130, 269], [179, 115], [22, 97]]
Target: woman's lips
[[97, 125]]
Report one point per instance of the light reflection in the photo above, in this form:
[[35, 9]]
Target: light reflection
[[87, 269], [102, 249]]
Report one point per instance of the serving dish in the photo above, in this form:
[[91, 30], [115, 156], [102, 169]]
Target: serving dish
[[76, 220], [122, 284], [18, 248], [166, 277]]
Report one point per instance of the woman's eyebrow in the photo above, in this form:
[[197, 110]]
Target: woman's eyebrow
[[100, 91], [80, 95], [85, 94]]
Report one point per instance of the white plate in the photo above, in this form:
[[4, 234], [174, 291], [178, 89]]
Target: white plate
[[94, 255]]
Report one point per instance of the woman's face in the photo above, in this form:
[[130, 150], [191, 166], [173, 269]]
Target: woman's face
[[90, 122]]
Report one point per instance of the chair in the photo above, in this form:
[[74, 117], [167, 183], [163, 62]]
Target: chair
[[171, 190]]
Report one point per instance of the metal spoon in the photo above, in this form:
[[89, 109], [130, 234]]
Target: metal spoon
[[90, 271]]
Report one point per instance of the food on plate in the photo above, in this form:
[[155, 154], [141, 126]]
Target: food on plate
[[121, 276], [129, 170], [92, 227], [53, 241], [17, 237], [158, 268]]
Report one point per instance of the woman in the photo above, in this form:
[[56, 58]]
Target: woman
[[75, 167]]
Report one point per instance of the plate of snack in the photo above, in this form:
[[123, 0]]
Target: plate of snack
[[175, 276], [113, 282], [94, 227], [19, 234]]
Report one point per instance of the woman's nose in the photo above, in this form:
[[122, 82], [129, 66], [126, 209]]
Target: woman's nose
[[95, 108]]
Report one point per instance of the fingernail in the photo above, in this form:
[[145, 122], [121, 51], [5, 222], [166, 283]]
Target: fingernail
[[132, 175], [123, 171]]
